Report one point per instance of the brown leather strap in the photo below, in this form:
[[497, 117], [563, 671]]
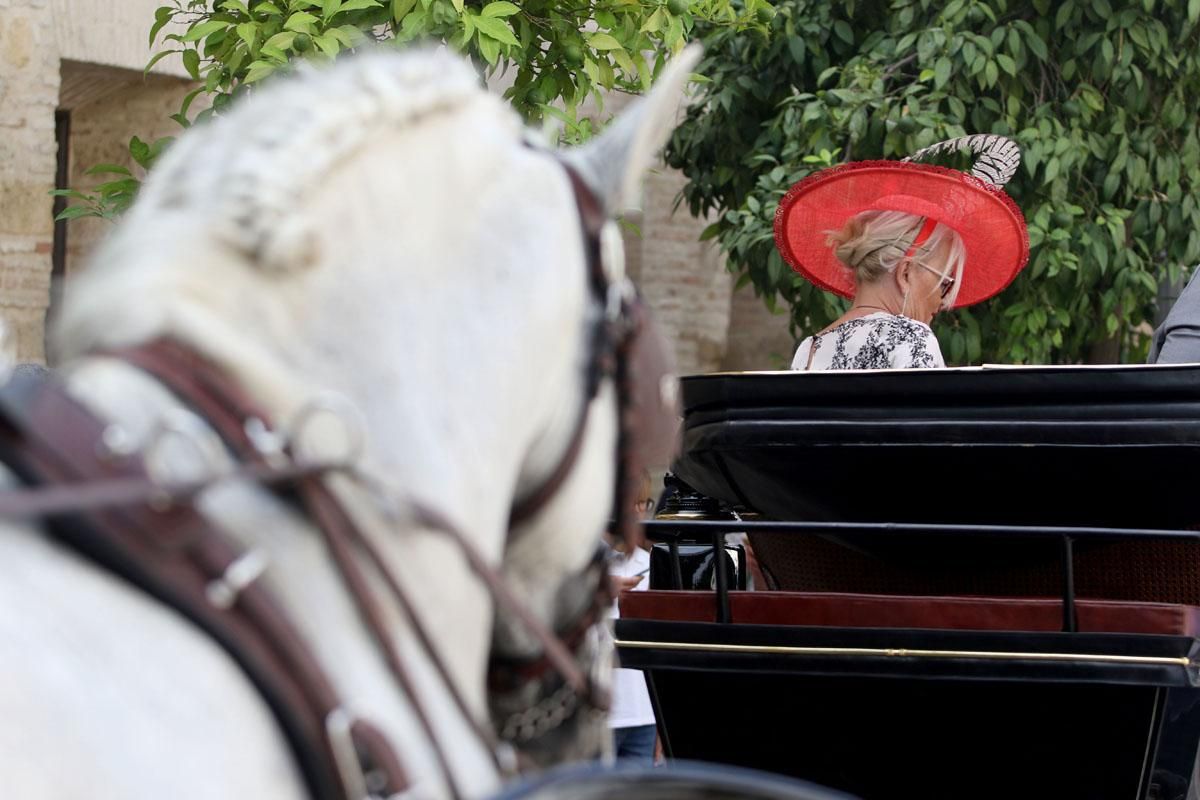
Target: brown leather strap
[[208, 391], [340, 535], [204, 387], [177, 556], [527, 508], [104, 493], [592, 220], [557, 653]]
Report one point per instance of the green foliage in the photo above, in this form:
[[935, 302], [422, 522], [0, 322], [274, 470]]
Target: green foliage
[[1099, 94], [561, 51], [110, 198]]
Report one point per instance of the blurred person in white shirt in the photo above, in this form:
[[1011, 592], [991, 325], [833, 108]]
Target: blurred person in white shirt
[[631, 717]]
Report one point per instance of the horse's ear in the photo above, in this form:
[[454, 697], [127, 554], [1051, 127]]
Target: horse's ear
[[613, 162]]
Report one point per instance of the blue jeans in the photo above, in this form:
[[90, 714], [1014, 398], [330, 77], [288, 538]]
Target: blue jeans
[[636, 743]]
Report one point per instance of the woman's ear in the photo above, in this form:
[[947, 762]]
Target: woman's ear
[[903, 275]]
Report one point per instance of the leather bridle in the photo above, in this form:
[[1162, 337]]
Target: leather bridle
[[100, 500], [628, 349]]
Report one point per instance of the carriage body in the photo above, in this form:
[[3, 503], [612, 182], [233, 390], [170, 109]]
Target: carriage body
[[1015, 614]]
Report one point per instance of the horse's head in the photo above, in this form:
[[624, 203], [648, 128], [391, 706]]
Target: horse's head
[[384, 229]]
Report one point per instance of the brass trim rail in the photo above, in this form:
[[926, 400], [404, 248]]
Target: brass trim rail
[[904, 652]]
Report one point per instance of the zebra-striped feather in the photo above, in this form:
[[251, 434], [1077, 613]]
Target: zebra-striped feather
[[996, 157]]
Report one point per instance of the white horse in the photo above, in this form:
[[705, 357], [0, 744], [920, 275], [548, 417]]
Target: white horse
[[381, 229]]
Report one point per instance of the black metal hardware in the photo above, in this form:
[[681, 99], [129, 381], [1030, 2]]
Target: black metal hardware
[[721, 575], [676, 567], [1070, 622]]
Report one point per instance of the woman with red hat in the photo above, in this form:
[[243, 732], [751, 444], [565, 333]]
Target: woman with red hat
[[903, 240]]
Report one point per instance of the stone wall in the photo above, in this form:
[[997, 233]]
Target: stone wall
[[29, 83], [111, 33]]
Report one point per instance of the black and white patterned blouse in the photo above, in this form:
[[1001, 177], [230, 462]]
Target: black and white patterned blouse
[[876, 341]]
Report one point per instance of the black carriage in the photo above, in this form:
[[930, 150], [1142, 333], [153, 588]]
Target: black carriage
[[980, 583]]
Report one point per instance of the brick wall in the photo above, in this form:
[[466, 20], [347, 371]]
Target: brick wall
[[29, 84], [686, 284], [683, 279], [757, 339]]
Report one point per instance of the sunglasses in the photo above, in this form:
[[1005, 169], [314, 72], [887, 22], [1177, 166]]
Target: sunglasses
[[947, 280]]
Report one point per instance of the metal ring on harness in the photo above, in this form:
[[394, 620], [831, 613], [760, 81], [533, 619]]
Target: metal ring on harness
[[180, 423], [342, 411]]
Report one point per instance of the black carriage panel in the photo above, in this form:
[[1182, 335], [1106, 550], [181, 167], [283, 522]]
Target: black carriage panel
[[923, 714], [1069, 446]]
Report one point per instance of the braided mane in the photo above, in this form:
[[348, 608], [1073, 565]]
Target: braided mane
[[258, 161]]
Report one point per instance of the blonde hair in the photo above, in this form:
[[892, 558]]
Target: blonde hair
[[872, 244]]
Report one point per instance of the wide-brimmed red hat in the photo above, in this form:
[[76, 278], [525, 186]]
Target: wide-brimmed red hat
[[990, 224]]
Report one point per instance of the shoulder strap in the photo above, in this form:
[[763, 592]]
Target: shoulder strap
[[176, 555]]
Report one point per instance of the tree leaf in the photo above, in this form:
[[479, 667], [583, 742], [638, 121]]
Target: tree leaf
[[401, 7], [248, 33], [1064, 13], [191, 62], [280, 41], [328, 44], [1037, 46], [202, 29], [941, 72], [161, 17], [348, 35], [501, 8], [75, 194], [654, 22], [489, 48], [140, 151], [496, 29], [75, 212], [358, 5], [159, 56], [301, 22], [118, 187], [603, 41], [259, 70]]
